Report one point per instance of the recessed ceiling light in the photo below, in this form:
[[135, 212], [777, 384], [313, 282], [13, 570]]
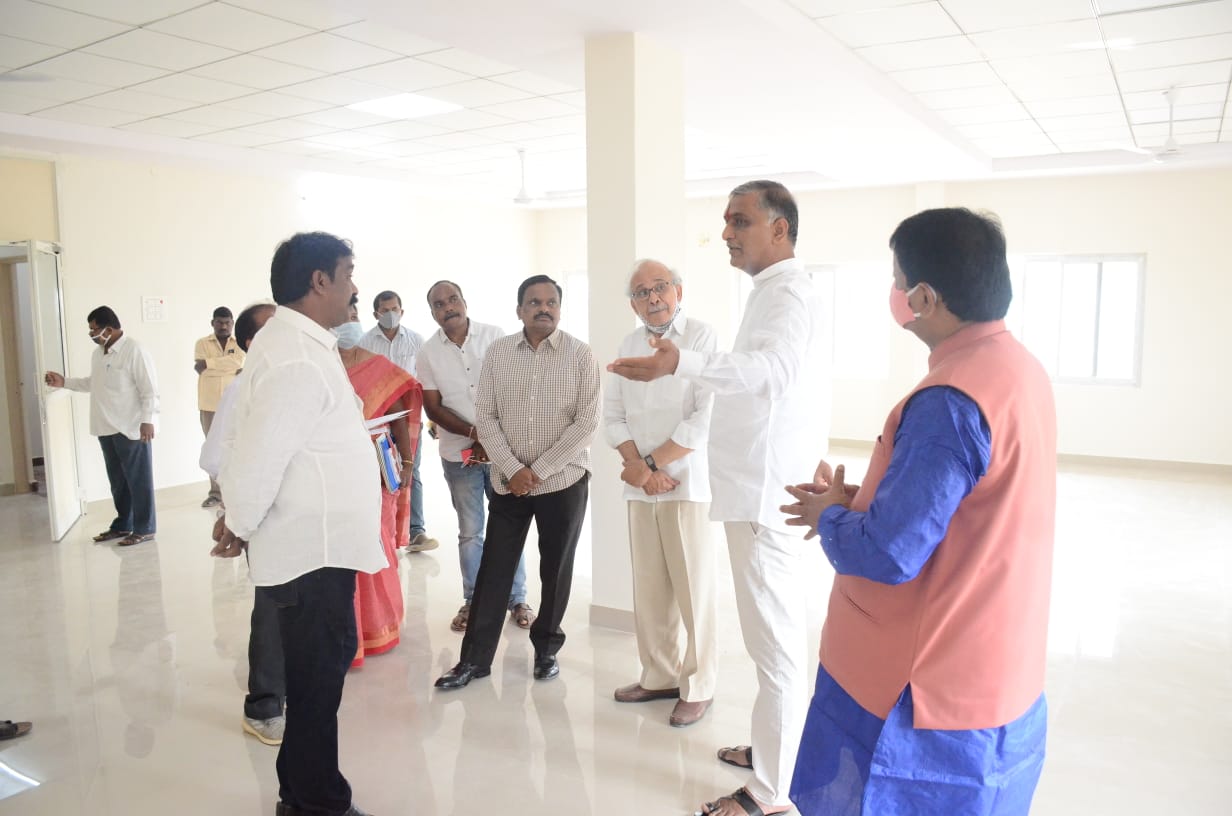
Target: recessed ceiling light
[[405, 106]]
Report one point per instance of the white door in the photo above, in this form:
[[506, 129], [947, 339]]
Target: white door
[[55, 405]]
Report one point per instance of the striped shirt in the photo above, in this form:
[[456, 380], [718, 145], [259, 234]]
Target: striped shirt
[[401, 351], [538, 408]]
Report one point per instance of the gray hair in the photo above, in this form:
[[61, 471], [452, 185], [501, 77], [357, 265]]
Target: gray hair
[[637, 267], [776, 201]]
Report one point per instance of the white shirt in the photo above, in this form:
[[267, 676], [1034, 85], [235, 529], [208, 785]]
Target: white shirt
[[771, 420], [299, 471], [401, 351], [123, 389], [211, 448], [649, 413], [454, 371]]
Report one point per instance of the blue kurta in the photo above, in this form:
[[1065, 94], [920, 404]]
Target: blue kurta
[[852, 762]]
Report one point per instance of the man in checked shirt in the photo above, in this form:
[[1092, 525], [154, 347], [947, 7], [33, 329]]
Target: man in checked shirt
[[536, 410]]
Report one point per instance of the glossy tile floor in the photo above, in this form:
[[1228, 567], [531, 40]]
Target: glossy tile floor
[[132, 664]]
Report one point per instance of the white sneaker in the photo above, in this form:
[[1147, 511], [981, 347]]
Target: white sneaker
[[268, 731], [422, 542]]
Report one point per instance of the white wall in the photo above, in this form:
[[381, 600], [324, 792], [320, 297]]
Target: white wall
[[203, 238]]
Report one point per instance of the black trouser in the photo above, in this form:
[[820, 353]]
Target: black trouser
[[130, 471], [316, 618], [267, 682], [558, 518]]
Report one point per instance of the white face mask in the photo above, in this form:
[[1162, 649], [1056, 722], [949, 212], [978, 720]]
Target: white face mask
[[348, 334], [661, 330], [389, 320]]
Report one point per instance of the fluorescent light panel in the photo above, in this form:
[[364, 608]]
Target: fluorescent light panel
[[405, 106]]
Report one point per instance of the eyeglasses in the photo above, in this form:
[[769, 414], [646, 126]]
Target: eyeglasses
[[644, 294]]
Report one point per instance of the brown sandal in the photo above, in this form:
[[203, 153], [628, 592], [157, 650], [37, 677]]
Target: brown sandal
[[13, 730], [740, 756], [461, 619], [135, 538], [108, 535], [522, 615]]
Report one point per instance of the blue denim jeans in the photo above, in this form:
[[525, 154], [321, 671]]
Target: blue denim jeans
[[417, 519], [130, 470], [470, 488]]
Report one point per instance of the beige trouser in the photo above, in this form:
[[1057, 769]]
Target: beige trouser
[[673, 596], [207, 419], [770, 599]]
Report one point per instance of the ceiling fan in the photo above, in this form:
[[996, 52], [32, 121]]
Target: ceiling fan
[[1171, 148], [522, 197]]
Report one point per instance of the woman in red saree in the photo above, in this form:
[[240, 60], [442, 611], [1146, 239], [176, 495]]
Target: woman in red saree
[[384, 388]]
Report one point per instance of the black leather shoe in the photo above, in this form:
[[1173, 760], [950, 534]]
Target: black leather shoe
[[460, 675], [546, 667]]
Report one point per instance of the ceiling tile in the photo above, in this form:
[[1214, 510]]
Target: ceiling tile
[[256, 72], [337, 89], [1009, 43], [1174, 52], [1156, 134], [1171, 23], [1120, 133], [139, 102], [465, 120], [539, 107], [230, 27], [288, 128], [825, 8], [553, 144], [198, 89], [466, 62], [1074, 64], [88, 115], [408, 75], [1087, 121], [216, 117], [921, 53], [1009, 148], [1205, 110], [99, 70], [919, 21], [311, 13], [985, 113], [133, 12], [402, 130], [160, 50], [476, 92], [1000, 130], [45, 24], [559, 125], [1109, 103], [1161, 79], [577, 99], [33, 83], [1043, 87], [16, 53], [967, 97], [534, 83], [1114, 6], [12, 102], [988, 15], [408, 148], [947, 77], [293, 147], [515, 132], [238, 138], [347, 138], [275, 104], [1191, 94], [328, 53], [163, 126], [453, 141], [391, 39], [343, 118]]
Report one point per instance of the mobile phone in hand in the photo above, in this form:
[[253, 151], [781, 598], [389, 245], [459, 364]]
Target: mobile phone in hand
[[467, 456]]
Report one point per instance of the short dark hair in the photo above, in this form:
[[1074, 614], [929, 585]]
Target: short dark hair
[[776, 200], [246, 324], [298, 257], [388, 294], [104, 318], [961, 254], [534, 280], [450, 283], [222, 312]]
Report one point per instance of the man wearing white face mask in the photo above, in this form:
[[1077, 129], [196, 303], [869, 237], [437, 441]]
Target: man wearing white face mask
[[401, 346]]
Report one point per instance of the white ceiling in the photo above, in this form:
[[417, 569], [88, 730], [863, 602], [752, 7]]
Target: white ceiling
[[819, 92]]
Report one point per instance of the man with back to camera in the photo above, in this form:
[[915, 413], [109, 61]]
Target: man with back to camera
[[401, 345], [661, 429], [123, 391], [536, 411], [217, 358], [771, 416], [934, 648], [302, 487], [449, 367]]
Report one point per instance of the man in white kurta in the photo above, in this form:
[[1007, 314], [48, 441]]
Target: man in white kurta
[[771, 416], [660, 429]]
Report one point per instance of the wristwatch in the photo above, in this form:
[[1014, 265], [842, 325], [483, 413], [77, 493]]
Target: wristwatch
[[650, 462]]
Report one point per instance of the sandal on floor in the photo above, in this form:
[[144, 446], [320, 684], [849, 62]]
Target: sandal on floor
[[522, 615], [740, 756], [135, 538], [740, 797], [12, 730], [458, 624], [107, 535]]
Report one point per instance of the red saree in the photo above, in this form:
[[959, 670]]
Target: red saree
[[381, 385]]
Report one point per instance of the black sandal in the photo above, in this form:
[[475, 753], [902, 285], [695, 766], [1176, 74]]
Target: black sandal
[[12, 730], [108, 535], [740, 797], [135, 538]]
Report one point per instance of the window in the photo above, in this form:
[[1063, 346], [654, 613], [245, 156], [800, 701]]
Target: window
[[1080, 315]]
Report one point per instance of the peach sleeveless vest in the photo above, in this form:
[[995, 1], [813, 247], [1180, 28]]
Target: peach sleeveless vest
[[969, 632]]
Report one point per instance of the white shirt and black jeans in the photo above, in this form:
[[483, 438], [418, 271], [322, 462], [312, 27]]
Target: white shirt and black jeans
[[536, 408], [123, 391], [303, 489]]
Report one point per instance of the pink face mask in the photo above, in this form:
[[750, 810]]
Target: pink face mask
[[899, 307]]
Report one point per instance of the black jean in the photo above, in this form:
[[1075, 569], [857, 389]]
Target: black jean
[[558, 518], [267, 680], [130, 471], [316, 618]]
